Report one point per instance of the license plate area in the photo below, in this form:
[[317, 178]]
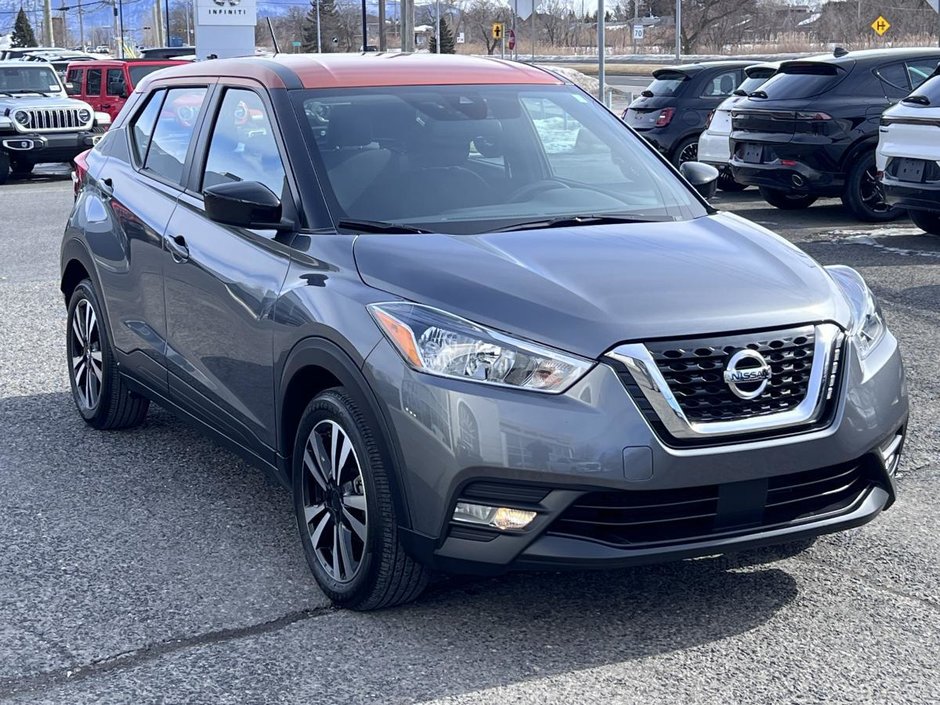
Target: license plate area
[[909, 169], [753, 153]]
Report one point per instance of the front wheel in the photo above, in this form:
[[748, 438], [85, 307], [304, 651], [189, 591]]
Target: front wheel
[[4, 167], [727, 183], [22, 168], [100, 393], [927, 221], [345, 511], [864, 195], [785, 200]]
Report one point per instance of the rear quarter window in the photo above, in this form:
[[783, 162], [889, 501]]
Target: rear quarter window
[[667, 83]]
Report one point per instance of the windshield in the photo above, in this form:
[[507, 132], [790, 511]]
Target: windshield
[[469, 159], [29, 79], [802, 80], [138, 73], [667, 83]]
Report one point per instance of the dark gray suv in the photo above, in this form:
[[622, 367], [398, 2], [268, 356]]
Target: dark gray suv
[[471, 319]]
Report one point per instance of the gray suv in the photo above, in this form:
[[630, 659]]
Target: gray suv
[[38, 121], [474, 322]]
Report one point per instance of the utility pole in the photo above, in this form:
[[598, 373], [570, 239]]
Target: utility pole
[[158, 24], [437, 27], [678, 31], [406, 11], [81, 25], [365, 28], [601, 53], [319, 42], [383, 43], [48, 38], [121, 24]]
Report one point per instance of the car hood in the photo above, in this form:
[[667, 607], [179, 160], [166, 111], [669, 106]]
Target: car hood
[[586, 289], [38, 101]]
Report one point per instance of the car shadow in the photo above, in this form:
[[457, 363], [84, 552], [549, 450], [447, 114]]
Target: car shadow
[[138, 514]]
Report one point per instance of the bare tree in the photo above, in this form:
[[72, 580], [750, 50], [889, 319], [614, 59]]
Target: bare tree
[[698, 16], [480, 16]]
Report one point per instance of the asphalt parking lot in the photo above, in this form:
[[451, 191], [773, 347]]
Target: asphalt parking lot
[[153, 566]]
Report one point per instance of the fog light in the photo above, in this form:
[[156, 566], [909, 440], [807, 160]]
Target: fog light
[[502, 518]]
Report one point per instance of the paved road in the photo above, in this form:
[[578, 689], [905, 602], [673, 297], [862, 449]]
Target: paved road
[[154, 567]]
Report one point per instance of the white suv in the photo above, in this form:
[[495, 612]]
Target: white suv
[[714, 145], [908, 154]]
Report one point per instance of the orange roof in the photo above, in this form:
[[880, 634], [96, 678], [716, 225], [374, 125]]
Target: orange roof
[[369, 69]]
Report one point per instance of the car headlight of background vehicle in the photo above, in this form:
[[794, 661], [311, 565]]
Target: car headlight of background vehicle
[[22, 117], [442, 344], [84, 115], [868, 326]]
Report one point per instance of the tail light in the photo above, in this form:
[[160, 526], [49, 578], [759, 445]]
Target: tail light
[[665, 117], [708, 120], [813, 116], [80, 171]]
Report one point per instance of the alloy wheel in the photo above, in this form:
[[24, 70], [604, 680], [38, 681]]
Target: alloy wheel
[[85, 357], [334, 501], [872, 192], [689, 153]]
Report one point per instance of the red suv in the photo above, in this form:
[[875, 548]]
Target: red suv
[[106, 84]]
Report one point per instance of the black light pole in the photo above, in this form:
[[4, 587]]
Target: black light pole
[[167, 5], [121, 25], [365, 31]]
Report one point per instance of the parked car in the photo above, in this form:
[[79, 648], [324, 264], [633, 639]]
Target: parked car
[[714, 144], [671, 113], [38, 122], [470, 320], [59, 60], [106, 83], [812, 129], [152, 53], [909, 155], [102, 49]]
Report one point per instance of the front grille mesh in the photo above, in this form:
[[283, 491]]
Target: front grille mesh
[[53, 119], [694, 369], [641, 518]]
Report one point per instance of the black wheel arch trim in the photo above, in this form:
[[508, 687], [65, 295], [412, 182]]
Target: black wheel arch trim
[[75, 250], [323, 353], [857, 150]]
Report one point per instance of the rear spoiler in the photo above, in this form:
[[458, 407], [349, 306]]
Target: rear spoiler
[[761, 70], [818, 68]]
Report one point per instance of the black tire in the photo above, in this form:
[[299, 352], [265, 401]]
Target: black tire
[[864, 194], [4, 167], [727, 183], [104, 401], [22, 168], [927, 221], [384, 575], [685, 151], [785, 200]]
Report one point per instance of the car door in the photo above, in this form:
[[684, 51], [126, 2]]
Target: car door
[[141, 184], [221, 282], [113, 92], [93, 85]]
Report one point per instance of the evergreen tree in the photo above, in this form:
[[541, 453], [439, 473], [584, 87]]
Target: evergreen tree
[[329, 27], [23, 35], [448, 41]]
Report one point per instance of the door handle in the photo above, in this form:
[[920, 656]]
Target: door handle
[[178, 249]]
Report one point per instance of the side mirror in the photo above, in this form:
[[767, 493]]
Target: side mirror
[[703, 177], [71, 89], [244, 204]]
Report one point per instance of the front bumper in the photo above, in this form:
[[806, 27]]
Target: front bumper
[[48, 147], [460, 440], [910, 195]]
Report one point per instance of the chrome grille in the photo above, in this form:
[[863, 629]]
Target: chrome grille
[[52, 119], [693, 370]]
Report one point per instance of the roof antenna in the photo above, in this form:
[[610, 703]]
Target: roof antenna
[[837, 52], [277, 48]]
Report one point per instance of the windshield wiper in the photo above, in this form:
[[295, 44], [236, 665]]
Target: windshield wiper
[[378, 226], [572, 221]]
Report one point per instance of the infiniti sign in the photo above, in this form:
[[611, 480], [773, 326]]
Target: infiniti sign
[[747, 368]]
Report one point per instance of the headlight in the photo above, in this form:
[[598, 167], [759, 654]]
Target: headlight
[[449, 346], [868, 326], [22, 117], [84, 115]]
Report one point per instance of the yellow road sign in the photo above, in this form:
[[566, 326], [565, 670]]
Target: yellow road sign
[[881, 25], [497, 30]]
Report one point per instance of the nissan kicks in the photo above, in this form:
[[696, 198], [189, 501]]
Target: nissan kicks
[[471, 319]]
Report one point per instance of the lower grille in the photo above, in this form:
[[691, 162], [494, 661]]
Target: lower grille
[[637, 519]]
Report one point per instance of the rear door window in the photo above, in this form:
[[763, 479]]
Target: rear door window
[[721, 85], [173, 132], [115, 82], [802, 80], [142, 125], [93, 82], [894, 80]]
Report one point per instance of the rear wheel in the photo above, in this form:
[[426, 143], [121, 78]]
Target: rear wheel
[[785, 200], [864, 195], [22, 168], [727, 183], [100, 393], [4, 167], [687, 151], [927, 221], [345, 511]]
